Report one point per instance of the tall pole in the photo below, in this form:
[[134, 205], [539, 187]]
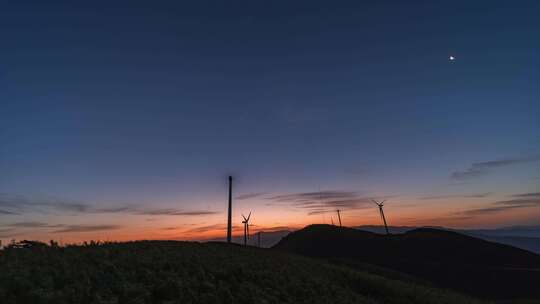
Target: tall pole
[[384, 220], [339, 217], [229, 223]]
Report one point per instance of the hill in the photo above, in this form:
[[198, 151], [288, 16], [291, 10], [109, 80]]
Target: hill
[[524, 237], [190, 272], [445, 258]]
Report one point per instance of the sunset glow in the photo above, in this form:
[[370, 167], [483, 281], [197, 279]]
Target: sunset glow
[[123, 123]]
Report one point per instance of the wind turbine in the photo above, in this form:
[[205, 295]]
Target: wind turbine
[[380, 205], [339, 217], [246, 227]]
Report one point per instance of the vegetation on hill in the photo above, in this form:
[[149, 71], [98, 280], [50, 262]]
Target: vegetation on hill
[[446, 258], [189, 272]]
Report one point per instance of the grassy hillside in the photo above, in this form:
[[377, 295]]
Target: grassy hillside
[[446, 258], [188, 272]]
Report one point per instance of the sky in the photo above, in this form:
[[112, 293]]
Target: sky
[[121, 120]]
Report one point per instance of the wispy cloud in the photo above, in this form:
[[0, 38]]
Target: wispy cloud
[[7, 212], [307, 196], [474, 195], [19, 227], [529, 200], [33, 225], [321, 202], [18, 204], [170, 211], [482, 168], [530, 194], [442, 219], [208, 228], [487, 210], [526, 202], [123, 209], [86, 228], [170, 228], [249, 195]]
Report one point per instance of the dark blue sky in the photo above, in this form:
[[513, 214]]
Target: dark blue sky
[[153, 104]]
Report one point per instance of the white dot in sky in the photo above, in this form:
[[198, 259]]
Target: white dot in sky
[[452, 58]]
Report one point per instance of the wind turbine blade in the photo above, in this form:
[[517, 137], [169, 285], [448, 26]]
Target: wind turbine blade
[[249, 216], [375, 202], [244, 217]]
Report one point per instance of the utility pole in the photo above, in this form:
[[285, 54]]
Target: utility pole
[[229, 223]]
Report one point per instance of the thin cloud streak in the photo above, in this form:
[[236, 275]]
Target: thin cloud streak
[[436, 197], [313, 196], [208, 228], [531, 194], [176, 212], [17, 204], [488, 210], [2, 212], [59, 227], [504, 205], [249, 195], [86, 228], [321, 202], [482, 168], [33, 225], [520, 202], [20, 204]]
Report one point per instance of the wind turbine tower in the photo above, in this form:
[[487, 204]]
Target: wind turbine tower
[[229, 222], [339, 217], [246, 228], [380, 205]]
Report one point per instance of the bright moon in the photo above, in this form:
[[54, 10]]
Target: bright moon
[[452, 58]]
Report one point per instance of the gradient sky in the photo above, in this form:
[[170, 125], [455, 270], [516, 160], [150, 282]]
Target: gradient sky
[[122, 121]]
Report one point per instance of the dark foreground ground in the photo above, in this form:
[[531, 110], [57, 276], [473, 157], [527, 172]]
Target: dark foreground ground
[[187, 272]]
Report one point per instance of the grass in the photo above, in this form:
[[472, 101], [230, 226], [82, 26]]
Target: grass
[[190, 272]]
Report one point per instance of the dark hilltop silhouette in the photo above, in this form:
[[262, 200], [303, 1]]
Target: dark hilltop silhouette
[[524, 237], [448, 259]]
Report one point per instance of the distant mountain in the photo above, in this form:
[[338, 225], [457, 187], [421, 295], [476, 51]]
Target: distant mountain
[[524, 237], [446, 258], [521, 231], [268, 238]]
